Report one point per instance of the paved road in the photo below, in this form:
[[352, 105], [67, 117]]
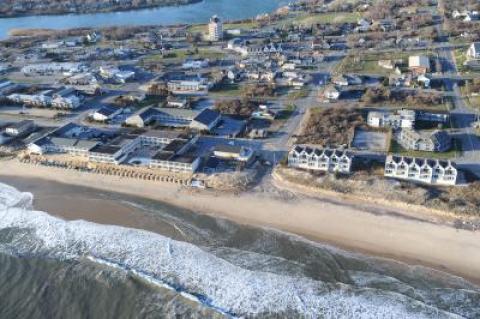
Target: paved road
[[462, 115]]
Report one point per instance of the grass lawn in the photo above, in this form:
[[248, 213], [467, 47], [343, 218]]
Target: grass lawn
[[181, 55], [368, 63], [460, 59], [474, 101], [334, 17], [286, 113], [456, 150], [298, 94], [230, 90]]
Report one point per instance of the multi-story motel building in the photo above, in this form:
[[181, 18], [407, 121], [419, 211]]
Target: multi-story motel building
[[176, 157], [320, 159], [173, 156], [423, 170], [115, 151]]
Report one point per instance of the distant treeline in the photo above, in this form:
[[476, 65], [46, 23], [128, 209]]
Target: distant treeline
[[35, 7]]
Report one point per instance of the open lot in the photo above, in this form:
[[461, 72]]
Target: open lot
[[369, 140]]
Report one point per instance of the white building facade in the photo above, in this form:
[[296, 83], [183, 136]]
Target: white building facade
[[320, 159], [422, 170]]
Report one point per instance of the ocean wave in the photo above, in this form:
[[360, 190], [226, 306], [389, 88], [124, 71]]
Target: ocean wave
[[192, 272]]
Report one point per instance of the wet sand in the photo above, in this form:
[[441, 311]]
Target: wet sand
[[385, 232]]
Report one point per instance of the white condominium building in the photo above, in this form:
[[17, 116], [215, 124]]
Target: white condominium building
[[215, 29], [423, 170], [320, 159]]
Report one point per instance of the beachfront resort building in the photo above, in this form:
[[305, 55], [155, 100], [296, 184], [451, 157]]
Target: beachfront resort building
[[436, 141], [398, 119], [422, 170], [215, 29], [320, 159], [176, 156]]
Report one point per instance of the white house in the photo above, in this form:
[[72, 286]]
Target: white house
[[399, 119], [473, 52], [331, 93], [106, 113]]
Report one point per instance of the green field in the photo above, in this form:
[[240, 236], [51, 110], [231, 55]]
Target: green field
[[460, 58], [322, 18], [368, 63], [184, 54], [227, 90]]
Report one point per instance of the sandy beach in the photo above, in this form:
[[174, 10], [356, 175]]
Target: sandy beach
[[414, 237]]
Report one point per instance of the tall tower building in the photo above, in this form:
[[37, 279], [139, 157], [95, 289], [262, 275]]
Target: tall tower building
[[215, 29]]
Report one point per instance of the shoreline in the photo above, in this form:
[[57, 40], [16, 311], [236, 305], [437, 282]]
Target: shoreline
[[67, 13], [386, 232]]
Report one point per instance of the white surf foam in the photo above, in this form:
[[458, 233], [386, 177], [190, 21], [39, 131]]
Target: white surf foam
[[193, 272]]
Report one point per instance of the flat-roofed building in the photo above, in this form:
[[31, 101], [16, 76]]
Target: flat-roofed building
[[71, 146], [320, 159], [158, 138], [114, 151], [177, 157], [187, 87], [421, 170]]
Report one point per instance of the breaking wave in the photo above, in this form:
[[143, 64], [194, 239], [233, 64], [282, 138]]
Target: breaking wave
[[194, 273]]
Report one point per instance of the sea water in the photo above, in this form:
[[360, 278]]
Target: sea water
[[51, 268]]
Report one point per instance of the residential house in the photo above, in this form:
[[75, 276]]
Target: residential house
[[473, 52], [206, 120], [331, 93], [398, 119], [177, 102], [234, 152], [21, 128], [419, 64], [162, 116], [106, 113]]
